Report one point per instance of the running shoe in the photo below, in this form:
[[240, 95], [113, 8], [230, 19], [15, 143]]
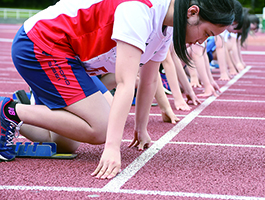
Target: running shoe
[[165, 84], [9, 130]]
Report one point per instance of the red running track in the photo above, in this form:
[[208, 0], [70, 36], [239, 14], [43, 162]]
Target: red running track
[[216, 151]]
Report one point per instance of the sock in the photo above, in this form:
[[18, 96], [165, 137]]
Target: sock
[[135, 91], [10, 111]]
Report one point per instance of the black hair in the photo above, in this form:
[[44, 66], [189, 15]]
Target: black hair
[[245, 26], [239, 16], [219, 12], [254, 20]]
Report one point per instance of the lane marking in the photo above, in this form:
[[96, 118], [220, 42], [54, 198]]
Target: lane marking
[[244, 95], [232, 100], [241, 101], [128, 191], [253, 52], [6, 40], [212, 144], [117, 182], [251, 85], [240, 90], [229, 117], [254, 77], [219, 144], [213, 117]]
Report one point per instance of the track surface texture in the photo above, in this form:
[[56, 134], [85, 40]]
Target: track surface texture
[[216, 151]]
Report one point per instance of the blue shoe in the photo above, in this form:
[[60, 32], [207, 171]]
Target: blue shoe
[[9, 129], [134, 100], [165, 84], [216, 66]]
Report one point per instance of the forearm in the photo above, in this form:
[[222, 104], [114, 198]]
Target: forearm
[[172, 78], [207, 67], [182, 77], [118, 114], [127, 66], [221, 54], [145, 94]]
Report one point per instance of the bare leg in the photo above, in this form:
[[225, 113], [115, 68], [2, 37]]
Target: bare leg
[[199, 62], [65, 145], [231, 66], [221, 57], [167, 113], [84, 121]]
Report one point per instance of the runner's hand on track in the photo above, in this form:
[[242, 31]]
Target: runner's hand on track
[[193, 98], [142, 140], [109, 165]]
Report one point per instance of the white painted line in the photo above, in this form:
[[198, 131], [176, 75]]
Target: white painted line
[[213, 117], [6, 40], [127, 191], [257, 65], [256, 71], [245, 95], [231, 117], [253, 52], [251, 85], [240, 90], [219, 144], [254, 77], [117, 182], [232, 100], [157, 115], [240, 101], [212, 144]]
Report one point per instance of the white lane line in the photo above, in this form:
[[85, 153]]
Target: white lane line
[[213, 117], [230, 100], [245, 95], [238, 90], [127, 191], [6, 40], [231, 117], [219, 144], [253, 52], [212, 144], [117, 182], [240, 101], [254, 77]]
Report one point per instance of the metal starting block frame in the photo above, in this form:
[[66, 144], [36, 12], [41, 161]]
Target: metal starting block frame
[[37, 150]]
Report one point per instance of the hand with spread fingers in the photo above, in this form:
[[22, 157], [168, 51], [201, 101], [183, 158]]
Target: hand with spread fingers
[[169, 117], [142, 140], [109, 165], [192, 97]]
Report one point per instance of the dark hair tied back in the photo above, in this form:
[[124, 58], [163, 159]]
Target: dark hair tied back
[[219, 12]]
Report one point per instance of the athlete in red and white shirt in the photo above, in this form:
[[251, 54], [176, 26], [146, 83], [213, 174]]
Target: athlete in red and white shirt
[[66, 29], [56, 50]]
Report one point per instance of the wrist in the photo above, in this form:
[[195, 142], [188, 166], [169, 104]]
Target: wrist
[[112, 145]]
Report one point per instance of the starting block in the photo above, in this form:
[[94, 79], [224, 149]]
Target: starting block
[[37, 150]]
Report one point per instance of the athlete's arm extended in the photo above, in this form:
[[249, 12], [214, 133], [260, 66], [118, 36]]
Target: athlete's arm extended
[[127, 66]]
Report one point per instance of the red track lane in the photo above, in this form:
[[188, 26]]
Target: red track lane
[[216, 151]]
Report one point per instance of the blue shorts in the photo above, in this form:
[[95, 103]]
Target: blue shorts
[[210, 48], [56, 81]]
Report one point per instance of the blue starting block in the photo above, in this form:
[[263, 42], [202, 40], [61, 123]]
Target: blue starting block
[[37, 150]]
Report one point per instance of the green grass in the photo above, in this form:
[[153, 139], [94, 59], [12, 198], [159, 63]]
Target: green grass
[[12, 13]]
